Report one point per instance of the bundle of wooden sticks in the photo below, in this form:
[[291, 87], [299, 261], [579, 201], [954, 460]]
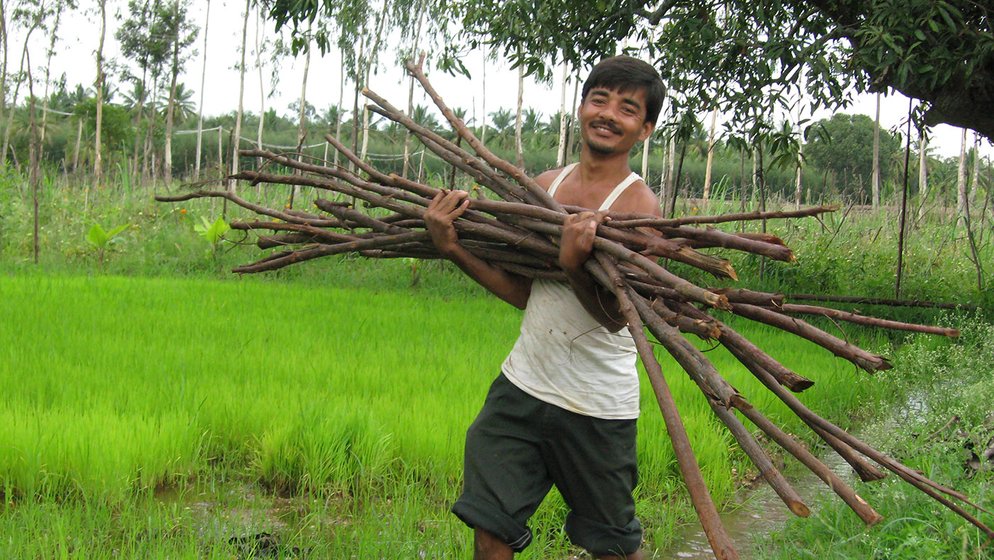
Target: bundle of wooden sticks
[[519, 230]]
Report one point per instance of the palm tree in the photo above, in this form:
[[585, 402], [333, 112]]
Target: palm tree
[[503, 123]]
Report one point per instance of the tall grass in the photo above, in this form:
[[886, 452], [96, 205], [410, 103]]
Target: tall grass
[[120, 388]]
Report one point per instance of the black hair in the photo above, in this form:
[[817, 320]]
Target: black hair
[[626, 73]]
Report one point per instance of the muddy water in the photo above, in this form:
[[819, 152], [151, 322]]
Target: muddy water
[[757, 511]]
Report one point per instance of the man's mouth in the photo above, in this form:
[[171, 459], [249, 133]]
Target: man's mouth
[[605, 126]]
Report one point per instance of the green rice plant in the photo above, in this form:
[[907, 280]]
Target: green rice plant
[[358, 399]]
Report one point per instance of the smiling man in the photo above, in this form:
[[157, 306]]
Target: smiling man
[[564, 408]]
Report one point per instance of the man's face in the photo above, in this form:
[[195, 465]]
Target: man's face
[[612, 122]]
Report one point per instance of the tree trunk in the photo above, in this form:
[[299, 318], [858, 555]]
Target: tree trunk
[[3, 67], [200, 106], [262, 85], [97, 158], [79, 140], [961, 186], [48, 74], [167, 158], [232, 183], [373, 52], [922, 172], [13, 102], [876, 158], [34, 170], [136, 123], [519, 150], [301, 120], [483, 108], [341, 100], [710, 161], [563, 119], [975, 177], [410, 101], [646, 147]]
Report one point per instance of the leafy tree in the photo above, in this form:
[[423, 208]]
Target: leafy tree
[[843, 146], [747, 57]]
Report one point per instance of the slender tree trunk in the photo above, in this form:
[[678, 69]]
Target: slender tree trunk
[[232, 184], [975, 176], [676, 183], [671, 169], [48, 73], [876, 158], [410, 100], [922, 172], [301, 122], [262, 84], [519, 150], [341, 103], [34, 169], [961, 186], [798, 187], [359, 73], [483, 108], [370, 61], [136, 122], [710, 161], [13, 102], [79, 140], [200, 105], [646, 147], [3, 67], [167, 159], [97, 157], [563, 118]]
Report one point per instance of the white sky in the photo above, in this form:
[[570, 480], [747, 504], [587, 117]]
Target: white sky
[[79, 36]]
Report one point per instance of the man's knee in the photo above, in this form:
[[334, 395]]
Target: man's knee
[[487, 546]]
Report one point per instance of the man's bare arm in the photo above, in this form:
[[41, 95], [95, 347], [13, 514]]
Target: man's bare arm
[[439, 218]]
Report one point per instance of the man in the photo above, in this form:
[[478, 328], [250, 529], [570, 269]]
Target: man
[[564, 408]]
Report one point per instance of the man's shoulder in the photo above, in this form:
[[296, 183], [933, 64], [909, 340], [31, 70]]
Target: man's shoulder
[[546, 178], [638, 199]]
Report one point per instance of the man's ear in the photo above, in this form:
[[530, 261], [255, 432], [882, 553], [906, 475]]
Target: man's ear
[[647, 129]]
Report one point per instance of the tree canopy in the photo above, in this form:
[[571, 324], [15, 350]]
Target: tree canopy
[[746, 57]]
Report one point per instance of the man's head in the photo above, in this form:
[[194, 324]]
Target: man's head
[[625, 74]]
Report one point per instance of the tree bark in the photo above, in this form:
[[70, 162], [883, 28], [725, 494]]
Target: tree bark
[[262, 85], [922, 172], [563, 118], [200, 105], [232, 183], [710, 160], [48, 73], [97, 158], [875, 178], [961, 185], [519, 150], [167, 158]]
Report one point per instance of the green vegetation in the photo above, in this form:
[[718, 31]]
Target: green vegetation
[[936, 417], [151, 386], [160, 407]]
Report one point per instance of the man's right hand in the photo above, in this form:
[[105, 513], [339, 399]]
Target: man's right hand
[[444, 209]]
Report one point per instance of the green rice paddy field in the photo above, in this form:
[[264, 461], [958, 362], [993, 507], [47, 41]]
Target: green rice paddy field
[[217, 418]]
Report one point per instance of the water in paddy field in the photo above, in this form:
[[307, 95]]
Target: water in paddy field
[[757, 511]]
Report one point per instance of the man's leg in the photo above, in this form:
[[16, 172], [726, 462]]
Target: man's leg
[[486, 546], [637, 555]]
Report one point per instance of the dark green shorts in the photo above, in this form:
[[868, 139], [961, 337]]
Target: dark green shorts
[[519, 446]]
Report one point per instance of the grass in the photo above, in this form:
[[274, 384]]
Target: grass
[[934, 383], [347, 400], [161, 408]]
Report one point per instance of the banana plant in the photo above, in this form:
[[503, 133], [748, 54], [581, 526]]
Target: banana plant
[[101, 239]]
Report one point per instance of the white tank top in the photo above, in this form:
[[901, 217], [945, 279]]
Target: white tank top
[[564, 357]]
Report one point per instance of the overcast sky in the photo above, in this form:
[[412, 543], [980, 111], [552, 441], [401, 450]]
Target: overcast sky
[[79, 36]]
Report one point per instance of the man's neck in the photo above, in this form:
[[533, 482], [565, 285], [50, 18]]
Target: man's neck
[[596, 167]]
